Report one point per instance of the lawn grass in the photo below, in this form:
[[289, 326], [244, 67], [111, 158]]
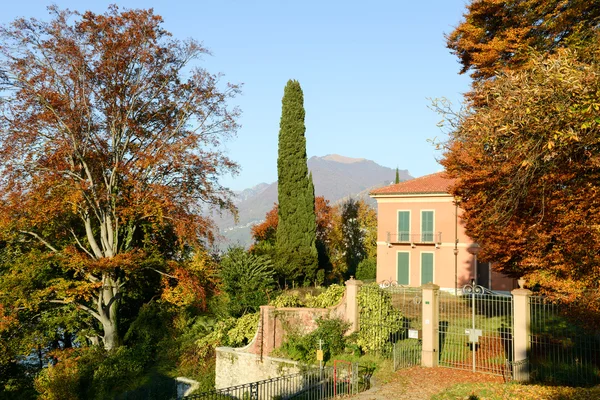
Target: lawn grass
[[501, 391]]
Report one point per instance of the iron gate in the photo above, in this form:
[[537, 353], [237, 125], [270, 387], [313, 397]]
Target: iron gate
[[475, 330], [394, 323]]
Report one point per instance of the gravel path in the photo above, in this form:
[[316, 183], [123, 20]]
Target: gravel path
[[419, 383]]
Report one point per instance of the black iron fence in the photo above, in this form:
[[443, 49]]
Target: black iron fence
[[563, 349], [315, 384]]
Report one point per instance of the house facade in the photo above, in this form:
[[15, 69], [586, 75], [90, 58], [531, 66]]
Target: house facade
[[421, 238]]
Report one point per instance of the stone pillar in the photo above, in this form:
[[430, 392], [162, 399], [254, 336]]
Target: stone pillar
[[521, 332], [431, 320], [352, 288], [267, 335]]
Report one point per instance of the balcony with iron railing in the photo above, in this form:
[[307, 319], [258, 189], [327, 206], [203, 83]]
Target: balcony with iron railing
[[423, 238]]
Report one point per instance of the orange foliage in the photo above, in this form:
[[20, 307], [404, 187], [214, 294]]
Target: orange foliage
[[266, 230], [191, 283], [109, 137], [526, 158], [497, 35], [7, 320]]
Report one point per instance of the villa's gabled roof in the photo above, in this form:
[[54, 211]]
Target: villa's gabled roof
[[437, 183]]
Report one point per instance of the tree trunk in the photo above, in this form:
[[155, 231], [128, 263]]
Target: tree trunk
[[108, 305], [111, 335]]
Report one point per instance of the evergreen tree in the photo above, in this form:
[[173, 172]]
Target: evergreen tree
[[397, 176], [296, 231]]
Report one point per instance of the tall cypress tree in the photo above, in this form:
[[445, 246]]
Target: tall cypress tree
[[397, 176], [296, 230]]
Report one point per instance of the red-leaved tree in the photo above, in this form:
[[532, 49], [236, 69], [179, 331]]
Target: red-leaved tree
[[109, 143]]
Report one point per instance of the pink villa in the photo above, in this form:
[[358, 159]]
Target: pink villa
[[421, 238]]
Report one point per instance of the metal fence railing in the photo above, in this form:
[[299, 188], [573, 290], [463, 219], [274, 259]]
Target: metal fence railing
[[314, 384], [391, 323], [422, 238], [563, 350], [475, 331]]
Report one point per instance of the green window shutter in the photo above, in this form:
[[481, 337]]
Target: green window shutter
[[403, 226], [426, 268], [427, 226], [403, 268]]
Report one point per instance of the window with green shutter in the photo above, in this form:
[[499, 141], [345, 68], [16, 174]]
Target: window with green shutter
[[426, 268], [426, 226], [403, 226], [403, 268]]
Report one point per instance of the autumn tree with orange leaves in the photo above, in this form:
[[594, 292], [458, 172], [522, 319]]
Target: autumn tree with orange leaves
[[527, 157], [498, 35], [109, 153], [525, 148]]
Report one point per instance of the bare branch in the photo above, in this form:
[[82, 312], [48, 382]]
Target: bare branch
[[80, 306], [81, 246], [160, 272], [38, 237]]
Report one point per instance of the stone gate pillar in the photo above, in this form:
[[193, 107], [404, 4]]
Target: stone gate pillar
[[521, 332], [352, 288], [431, 321]]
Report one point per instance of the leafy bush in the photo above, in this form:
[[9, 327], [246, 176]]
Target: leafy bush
[[367, 269], [93, 373], [329, 298], [320, 279], [149, 335], [243, 331], [286, 299], [378, 318], [61, 381], [247, 280], [304, 347]]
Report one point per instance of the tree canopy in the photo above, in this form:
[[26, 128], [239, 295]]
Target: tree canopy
[[496, 35], [526, 153], [109, 152]]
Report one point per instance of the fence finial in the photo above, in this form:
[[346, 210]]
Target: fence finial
[[521, 282]]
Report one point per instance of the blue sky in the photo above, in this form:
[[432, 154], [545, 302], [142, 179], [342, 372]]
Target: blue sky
[[367, 69]]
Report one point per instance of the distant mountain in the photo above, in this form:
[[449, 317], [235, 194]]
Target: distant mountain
[[335, 177]]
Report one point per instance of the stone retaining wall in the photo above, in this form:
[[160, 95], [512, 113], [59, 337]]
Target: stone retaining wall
[[236, 367]]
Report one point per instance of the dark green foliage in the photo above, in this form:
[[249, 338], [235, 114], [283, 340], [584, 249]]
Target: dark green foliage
[[94, 373], [304, 347], [149, 334], [247, 280], [15, 380], [296, 233], [353, 236], [397, 176], [320, 277], [367, 269]]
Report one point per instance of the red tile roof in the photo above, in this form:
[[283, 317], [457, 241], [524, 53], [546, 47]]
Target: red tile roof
[[428, 184]]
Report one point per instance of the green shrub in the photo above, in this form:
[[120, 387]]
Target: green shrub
[[286, 299], [367, 269], [243, 331], [247, 280], [304, 347], [378, 318], [93, 373], [320, 279], [329, 298]]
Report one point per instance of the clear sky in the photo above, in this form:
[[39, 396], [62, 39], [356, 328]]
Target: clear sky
[[367, 69]]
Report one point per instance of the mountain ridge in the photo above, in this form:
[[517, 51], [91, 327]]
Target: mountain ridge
[[335, 177]]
